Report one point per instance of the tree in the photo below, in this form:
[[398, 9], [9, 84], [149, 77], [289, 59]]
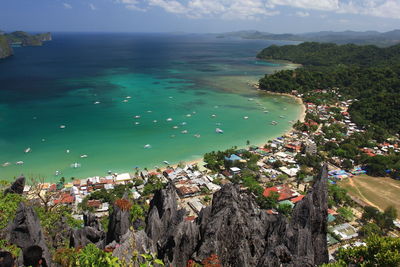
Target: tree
[[46, 197], [370, 229], [378, 251]]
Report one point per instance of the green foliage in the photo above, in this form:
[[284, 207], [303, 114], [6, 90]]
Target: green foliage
[[106, 195], [89, 256], [378, 165], [370, 229], [8, 207], [379, 251], [384, 220], [345, 213], [285, 209], [150, 260], [269, 202], [137, 213], [13, 249], [337, 196], [153, 184]]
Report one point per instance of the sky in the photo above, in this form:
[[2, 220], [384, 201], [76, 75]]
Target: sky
[[199, 16]]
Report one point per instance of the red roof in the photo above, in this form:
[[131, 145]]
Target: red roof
[[297, 199], [190, 218], [65, 199], [94, 203], [330, 211], [284, 192]]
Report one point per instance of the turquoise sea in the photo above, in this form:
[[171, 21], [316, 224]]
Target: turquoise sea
[[117, 93]]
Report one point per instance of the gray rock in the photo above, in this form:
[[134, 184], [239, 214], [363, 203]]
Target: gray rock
[[119, 223], [25, 231], [17, 187], [92, 232]]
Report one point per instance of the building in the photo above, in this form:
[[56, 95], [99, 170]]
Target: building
[[284, 192]]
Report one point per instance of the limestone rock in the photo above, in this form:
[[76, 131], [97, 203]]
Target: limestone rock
[[25, 231], [119, 223], [92, 232], [17, 187]]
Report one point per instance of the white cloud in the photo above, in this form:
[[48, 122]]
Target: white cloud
[[302, 14], [92, 7], [254, 9], [67, 6]]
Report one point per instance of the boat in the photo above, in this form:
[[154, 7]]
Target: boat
[[183, 123], [62, 126], [67, 151], [128, 97], [43, 139], [75, 165], [250, 99], [58, 173], [266, 111], [27, 150], [245, 117], [166, 162], [184, 132], [274, 122], [97, 102], [84, 156], [149, 111], [5, 164], [197, 136], [19, 162], [175, 127], [281, 116], [137, 123], [125, 100], [155, 121], [147, 146], [218, 130], [188, 115], [137, 117], [213, 115], [169, 119]]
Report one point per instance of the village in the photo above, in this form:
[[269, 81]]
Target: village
[[281, 171]]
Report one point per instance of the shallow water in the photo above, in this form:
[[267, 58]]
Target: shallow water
[[83, 81]]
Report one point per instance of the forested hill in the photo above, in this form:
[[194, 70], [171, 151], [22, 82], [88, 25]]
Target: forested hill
[[367, 73], [327, 54]]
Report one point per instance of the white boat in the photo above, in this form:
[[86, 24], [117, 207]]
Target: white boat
[[5, 164], [97, 102], [43, 139], [175, 127], [19, 162], [137, 123], [67, 151], [183, 123], [213, 115], [266, 111], [245, 117], [281, 116], [137, 117], [27, 150], [147, 146], [84, 156], [149, 111], [62, 126], [75, 165], [125, 100], [169, 119], [188, 115], [274, 122], [197, 136], [57, 173], [218, 130], [128, 97], [166, 162], [250, 99], [155, 121], [184, 132]]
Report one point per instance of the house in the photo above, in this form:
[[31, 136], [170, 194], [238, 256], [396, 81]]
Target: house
[[65, 199], [297, 199], [235, 170], [291, 172], [196, 205], [283, 190], [233, 158], [123, 178], [345, 231]]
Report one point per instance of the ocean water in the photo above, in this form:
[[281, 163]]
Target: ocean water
[[117, 93]]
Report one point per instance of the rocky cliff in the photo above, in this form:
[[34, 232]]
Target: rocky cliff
[[238, 232], [5, 48]]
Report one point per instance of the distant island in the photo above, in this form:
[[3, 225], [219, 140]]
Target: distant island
[[20, 38], [346, 37]]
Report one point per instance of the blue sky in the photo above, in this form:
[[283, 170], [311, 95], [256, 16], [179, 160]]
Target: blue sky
[[276, 16]]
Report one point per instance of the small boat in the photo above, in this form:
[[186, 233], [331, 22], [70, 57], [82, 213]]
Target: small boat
[[183, 123], [281, 116], [84, 156], [188, 115], [75, 165], [5, 164], [218, 130], [250, 99], [34, 118], [274, 122], [155, 121], [125, 100], [19, 162], [218, 123], [170, 97], [175, 127], [213, 115], [128, 97], [197, 136], [147, 146], [67, 151], [194, 112], [43, 139], [97, 102], [245, 117], [215, 106], [137, 117], [169, 119], [27, 150], [149, 111], [58, 173], [137, 123], [266, 111], [62, 126], [173, 136], [166, 162], [184, 132]]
